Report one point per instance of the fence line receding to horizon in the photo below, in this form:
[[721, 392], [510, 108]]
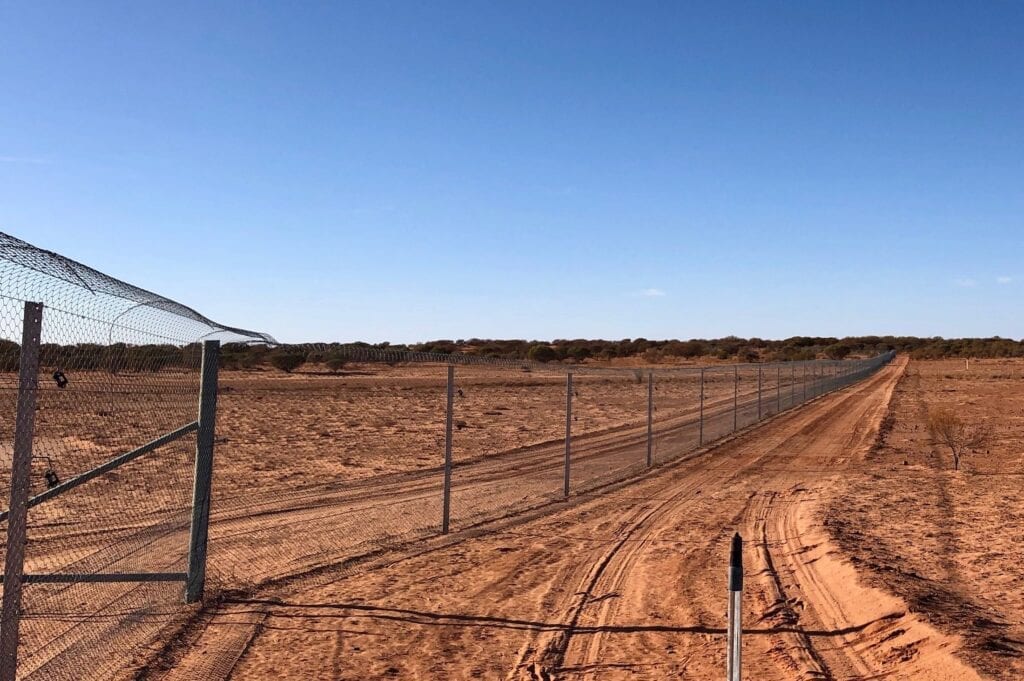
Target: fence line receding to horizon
[[110, 392]]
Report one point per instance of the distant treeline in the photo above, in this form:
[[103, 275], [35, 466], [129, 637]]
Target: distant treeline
[[730, 348], [135, 358]]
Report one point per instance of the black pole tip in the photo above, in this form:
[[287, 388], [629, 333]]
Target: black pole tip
[[736, 564]]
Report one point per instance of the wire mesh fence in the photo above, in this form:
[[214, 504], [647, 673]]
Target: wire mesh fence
[[337, 460], [115, 368]]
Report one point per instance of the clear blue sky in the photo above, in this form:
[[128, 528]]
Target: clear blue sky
[[393, 171]]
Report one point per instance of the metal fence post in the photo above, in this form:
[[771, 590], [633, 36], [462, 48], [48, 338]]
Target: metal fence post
[[195, 580], [805, 383], [449, 409], [735, 397], [650, 418], [568, 433], [760, 382], [778, 388], [700, 439], [21, 470], [792, 386], [735, 631]]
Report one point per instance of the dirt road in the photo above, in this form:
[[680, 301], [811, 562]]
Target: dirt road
[[625, 584]]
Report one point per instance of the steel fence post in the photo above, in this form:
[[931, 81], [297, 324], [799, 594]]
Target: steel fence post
[[195, 580], [21, 470], [700, 439], [759, 384], [650, 418], [805, 383], [778, 388], [792, 385], [568, 434], [735, 397], [448, 415]]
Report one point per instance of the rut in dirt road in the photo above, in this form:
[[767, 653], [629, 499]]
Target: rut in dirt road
[[602, 596]]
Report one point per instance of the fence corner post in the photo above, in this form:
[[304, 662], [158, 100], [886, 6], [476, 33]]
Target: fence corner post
[[21, 470], [195, 580]]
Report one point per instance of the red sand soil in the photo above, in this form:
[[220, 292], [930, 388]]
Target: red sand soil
[[312, 471], [951, 545], [628, 582], [858, 566]]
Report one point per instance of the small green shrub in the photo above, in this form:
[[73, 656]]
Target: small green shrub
[[541, 353], [287, 361]]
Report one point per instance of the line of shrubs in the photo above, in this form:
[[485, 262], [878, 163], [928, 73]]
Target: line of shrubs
[[139, 358]]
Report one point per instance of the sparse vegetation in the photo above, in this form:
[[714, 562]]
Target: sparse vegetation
[[654, 356], [287, 361], [949, 430], [140, 358], [541, 353]]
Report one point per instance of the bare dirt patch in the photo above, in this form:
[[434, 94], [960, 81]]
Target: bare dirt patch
[[948, 543]]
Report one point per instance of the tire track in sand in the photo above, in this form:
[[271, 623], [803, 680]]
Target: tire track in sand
[[865, 634], [542, 658]]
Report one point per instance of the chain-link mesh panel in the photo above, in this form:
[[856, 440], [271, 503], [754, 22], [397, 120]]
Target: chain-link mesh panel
[[609, 429], [509, 425], [315, 468], [105, 545]]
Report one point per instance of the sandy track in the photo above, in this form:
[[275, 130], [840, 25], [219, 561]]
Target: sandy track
[[626, 584]]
